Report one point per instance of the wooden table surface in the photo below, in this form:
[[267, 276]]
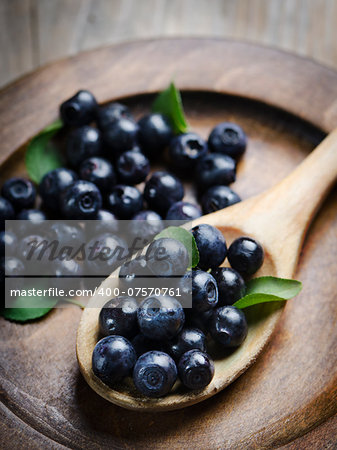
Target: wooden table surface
[[35, 32], [291, 390]]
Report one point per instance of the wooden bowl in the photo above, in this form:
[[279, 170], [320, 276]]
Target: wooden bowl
[[285, 104]]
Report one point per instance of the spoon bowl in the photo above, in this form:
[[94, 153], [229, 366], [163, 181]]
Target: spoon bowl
[[279, 219]]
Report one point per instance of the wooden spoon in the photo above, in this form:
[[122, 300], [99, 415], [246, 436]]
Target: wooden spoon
[[279, 219]]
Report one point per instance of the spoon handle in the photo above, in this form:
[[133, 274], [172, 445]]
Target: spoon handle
[[298, 196], [285, 211]]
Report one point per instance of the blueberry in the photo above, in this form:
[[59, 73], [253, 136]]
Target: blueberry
[[19, 192], [218, 197], [211, 246], [186, 150], [8, 243], [160, 317], [135, 274], [246, 255], [113, 359], [79, 109], [106, 222], [67, 273], [11, 266], [196, 369], [124, 201], [32, 221], [98, 171], [53, 184], [35, 216], [183, 211], [142, 344], [119, 316], [31, 247], [145, 225], [229, 139], [106, 115], [83, 143], [6, 212], [228, 326], [167, 257], [68, 268], [135, 148], [132, 167], [154, 374], [154, 134], [162, 190], [105, 253], [80, 200], [202, 287], [204, 291], [66, 234], [231, 285], [197, 319], [187, 339], [215, 169], [120, 136]]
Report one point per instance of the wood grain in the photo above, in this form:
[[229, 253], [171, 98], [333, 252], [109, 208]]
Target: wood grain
[[41, 31], [292, 387]]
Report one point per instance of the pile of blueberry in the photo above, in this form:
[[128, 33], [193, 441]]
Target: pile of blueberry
[[158, 339], [107, 160]]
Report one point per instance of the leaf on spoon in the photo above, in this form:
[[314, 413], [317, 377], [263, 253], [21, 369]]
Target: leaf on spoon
[[41, 156], [186, 238], [268, 289], [169, 103]]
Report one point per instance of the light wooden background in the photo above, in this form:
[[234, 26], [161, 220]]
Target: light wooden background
[[34, 32]]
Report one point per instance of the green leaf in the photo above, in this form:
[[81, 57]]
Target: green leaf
[[185, 237], [169, 103], [20, 313], [268, 289], [281, 287], [41, 157]]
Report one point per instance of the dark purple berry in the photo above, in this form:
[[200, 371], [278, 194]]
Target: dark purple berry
[[19, 192], [132, 167], [154, 374], [218, 197], [53, 184], [211, 246], [183, 211], [108, 114], [120, 136], [119, 317], [113, 359], [196, 369], [124, 201], [231, 285], [162, 190], [98, 171], [160, 318], [228, 326], [79, 109], [154, 134], [80, 200], [246, 255], [215, 169], [83, 143], [229, 139], [186, 150]]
